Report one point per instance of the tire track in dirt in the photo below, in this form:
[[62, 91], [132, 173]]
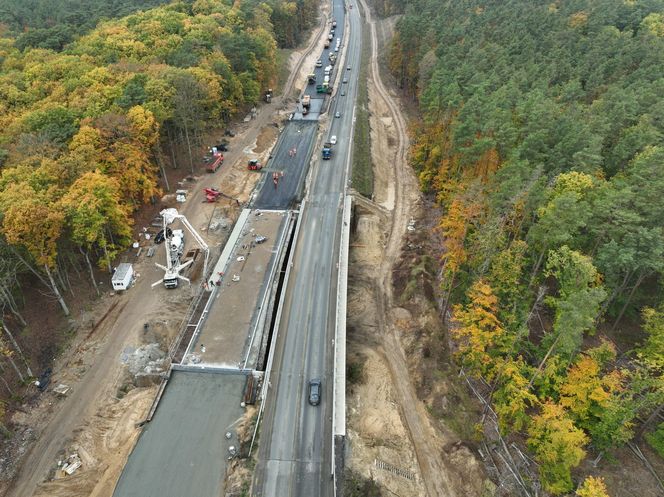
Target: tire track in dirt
[[73, 411], [434, 474]]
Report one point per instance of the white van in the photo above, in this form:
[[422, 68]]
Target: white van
[[123, 276]]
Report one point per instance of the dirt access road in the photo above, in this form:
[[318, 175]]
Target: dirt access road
[[93, 417], [387, 421]]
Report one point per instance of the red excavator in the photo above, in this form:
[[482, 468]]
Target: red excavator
[[212, 195]]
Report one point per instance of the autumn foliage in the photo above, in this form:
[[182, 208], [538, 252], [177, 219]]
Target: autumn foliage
[[541, 140], [82, 127]]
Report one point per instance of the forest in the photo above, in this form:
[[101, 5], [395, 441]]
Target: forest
[[53, 24], [541, 138], [89, 127]]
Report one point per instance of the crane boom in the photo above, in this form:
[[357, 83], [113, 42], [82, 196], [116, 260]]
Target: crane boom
[[173, 266], [198, 239]]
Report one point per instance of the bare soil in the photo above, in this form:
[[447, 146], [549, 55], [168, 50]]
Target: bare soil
[[393, 439]]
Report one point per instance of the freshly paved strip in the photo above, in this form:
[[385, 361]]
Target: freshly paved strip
[[183, 451], [297, 136]]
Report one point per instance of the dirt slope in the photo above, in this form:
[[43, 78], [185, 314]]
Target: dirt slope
[[387, 421]]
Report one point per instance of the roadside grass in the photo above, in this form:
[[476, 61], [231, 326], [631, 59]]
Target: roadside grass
[[355, 370], [362, 174], [422, 270], [358, 486]]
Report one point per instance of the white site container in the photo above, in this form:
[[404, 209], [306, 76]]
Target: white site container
[[123, 276]]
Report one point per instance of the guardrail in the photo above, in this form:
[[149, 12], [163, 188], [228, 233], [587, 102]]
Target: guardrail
[[339, 385]]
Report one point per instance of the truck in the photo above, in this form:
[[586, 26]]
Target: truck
[[334, 23], [333, 59], [324, 88], [268, 95], [123, 276], [311, 78], [215, 163], [327, 44], [328, 70], [176, 244], [306, 101], [326, 80], [327, 150]]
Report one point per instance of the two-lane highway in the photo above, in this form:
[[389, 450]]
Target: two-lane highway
[[296, 439]]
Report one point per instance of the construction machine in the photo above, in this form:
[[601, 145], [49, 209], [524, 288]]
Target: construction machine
[[254, 165], [175, 249]]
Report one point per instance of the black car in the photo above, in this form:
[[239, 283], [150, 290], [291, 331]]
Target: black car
[[223, 147], [160, 236], [44, 379], [314, 392]]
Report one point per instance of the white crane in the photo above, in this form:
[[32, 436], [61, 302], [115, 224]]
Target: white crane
[[173, 266]]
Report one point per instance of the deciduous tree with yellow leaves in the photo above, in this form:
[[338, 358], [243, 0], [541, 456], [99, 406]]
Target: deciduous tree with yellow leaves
[[558, 446]]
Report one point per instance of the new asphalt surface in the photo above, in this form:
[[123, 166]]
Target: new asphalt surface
[[289, 162]]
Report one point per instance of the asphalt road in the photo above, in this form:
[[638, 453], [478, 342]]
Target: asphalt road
[[291, 167], [296, 439]]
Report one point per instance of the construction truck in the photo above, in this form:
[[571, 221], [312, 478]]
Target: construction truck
[[254, 165], [311, 78], [214, 162], [327, 150], [306, 104]]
